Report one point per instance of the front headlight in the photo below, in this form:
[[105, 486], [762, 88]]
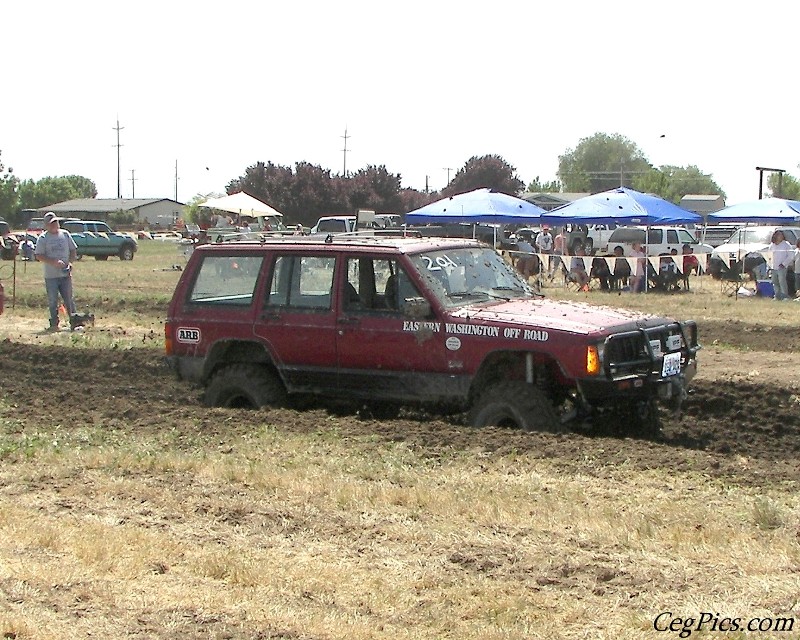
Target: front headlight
[[594, 359]]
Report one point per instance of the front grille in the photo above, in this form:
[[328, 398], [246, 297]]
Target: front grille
[[641, 352]]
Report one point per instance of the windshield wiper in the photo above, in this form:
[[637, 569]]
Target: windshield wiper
[[466, 294]]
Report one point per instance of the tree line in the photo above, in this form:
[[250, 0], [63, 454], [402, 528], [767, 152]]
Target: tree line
[[306, 191]]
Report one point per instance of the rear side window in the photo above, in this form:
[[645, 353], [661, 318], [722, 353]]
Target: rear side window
[[226, 280], [332, 226], [302, 282], [627, 236]]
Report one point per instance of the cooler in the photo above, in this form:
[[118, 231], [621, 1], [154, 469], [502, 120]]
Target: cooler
[[764, 288]]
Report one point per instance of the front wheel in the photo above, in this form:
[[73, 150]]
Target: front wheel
[[514, 404], [244, 386], [126, 252]]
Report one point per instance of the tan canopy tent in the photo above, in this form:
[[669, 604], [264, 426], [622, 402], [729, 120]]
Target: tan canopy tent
[[242, 204]]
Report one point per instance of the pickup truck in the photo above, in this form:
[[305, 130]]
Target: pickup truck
[[96, 238]]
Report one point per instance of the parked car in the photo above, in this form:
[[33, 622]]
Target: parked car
[[440, 322], [97, 239], [388, 221], [748, 244], [657, 240], [334, 224]]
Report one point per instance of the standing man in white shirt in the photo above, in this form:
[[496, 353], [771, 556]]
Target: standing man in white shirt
[[782, 255]]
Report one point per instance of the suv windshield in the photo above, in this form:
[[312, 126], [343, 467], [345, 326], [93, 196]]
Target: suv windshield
[[469, 274], [751, 236]]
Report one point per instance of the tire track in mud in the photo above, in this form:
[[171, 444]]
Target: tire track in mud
[[746, 432]]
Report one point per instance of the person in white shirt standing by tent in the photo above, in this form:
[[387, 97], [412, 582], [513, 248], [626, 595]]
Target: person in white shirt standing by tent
[[782, 255], [797, 271]]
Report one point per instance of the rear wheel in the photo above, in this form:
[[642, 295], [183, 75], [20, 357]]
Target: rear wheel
[[514, 404], [245, 386]]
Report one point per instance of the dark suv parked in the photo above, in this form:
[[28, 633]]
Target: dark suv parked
[[443, 322]]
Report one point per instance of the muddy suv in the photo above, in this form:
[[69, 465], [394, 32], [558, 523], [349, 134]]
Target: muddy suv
[[433, 321]]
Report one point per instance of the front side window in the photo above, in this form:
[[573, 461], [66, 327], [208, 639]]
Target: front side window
[[468, 275], [226, 280], [376, 285], [301, 282]]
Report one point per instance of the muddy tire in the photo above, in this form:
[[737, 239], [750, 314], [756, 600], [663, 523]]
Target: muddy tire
[[514, 404], [126, 252], [245, 386]]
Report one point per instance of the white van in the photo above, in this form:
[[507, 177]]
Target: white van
[[658, 241]]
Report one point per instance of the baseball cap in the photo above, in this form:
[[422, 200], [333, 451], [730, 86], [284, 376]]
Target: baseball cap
[[50, 217]]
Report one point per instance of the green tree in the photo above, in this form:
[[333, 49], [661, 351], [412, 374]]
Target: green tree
[[537, 186], [194, 213], [784, 186], [490, 171], [374, 188], [35, 194], [601, 162], [672, 183], [9, 195]]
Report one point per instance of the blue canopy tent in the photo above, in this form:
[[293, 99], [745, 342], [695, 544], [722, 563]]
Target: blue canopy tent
[[621, 206], [481, 205], [765, 211]]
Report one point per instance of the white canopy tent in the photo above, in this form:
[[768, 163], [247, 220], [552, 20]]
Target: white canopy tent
[[243, 204]]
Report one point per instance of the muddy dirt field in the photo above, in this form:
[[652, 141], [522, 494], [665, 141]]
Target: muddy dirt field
[[741, 423]]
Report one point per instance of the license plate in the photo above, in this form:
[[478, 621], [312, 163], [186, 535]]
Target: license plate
[[672, 365]]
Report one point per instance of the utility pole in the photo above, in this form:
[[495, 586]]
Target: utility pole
[[448, 169], [118, 145], [345, 136], [176, 180], [133, 185], [427, 189]]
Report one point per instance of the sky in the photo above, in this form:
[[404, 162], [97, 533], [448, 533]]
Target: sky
[[211, 88]]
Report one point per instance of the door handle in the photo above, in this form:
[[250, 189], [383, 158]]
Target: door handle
[[348, 320]]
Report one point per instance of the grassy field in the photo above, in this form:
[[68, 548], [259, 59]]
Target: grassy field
[[136, 512]]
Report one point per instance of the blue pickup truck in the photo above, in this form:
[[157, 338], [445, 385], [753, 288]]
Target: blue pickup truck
[[97, 239]]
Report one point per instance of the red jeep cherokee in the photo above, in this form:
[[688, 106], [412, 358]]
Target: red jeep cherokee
[[415, 320]]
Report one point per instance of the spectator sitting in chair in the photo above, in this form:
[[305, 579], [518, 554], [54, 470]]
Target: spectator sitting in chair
[[668, 275], [622, 269], [690, 264], [577, 271], [601, 271]]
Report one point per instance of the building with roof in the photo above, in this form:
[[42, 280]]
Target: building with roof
[[150, 211], [702, 204], [550, 201]]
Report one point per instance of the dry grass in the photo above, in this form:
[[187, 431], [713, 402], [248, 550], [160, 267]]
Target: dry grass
[[313, 536], [278, 535]]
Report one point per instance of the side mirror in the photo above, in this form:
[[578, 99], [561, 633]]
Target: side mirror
[[416, 308]]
